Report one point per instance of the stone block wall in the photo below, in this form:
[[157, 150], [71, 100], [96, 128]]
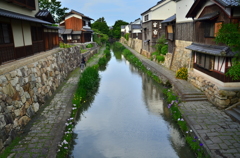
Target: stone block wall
[[135, 44], [168, 60], [219, 97], [182, 57], [25, 88]]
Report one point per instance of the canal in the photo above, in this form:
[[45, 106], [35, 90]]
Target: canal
[[127, 118]]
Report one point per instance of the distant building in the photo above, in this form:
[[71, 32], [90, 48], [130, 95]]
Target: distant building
[[151, 23], [76, 28]]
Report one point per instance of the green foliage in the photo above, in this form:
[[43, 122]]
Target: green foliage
[[182, 73], [164, 49], [107, 53], [126, 36], [161, 42], [101, 25], [64, 45], [54, 7], [229, 34], [160, 58], [102, 61], [90, 45], [99, 37], [116, 31]]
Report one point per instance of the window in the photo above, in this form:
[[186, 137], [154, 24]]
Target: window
[[5, 33], [212, 28], [37, 33], [146, 18], [205, 61], [75, 37], [69, 37]]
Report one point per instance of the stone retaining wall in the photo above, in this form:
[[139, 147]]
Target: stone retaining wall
[[26, 87], [135, 44], [219, 97], [182, 57]]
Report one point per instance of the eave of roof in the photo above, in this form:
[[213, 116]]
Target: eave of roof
[[209, 16], [211, 49], [170, 19], [13, 15], [159, 2]]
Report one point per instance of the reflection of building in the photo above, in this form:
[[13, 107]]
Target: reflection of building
[[76, 28]]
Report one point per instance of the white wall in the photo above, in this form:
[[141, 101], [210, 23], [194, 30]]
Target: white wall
[[17, 33], [136, 31], [27, 33], [17, 9], [162, 11], [182, 8]]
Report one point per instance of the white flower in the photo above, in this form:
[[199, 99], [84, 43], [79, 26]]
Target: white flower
[[74, 105], [58, 150], [65, 147], [182, 119], [190, 130], [186, 131], [66, 124], [179, 119]]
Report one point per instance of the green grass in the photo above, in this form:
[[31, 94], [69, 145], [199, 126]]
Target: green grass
[[9, 148]]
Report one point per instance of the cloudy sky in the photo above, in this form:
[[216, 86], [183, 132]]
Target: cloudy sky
[[111, 10]]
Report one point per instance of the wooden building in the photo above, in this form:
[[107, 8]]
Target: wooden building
[[151, 26], [210, 58], [21, 33], [76, 28]]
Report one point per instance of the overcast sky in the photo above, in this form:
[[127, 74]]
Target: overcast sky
[[111, 10]]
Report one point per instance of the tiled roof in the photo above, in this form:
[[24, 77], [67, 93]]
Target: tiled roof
[[76, 32], [87, 30], [170, 19], [159, 2], [42, 13], [208, 16], [136, 26], [67, 31], [229, 3], [13, 15], [51, 27], [211, 49]]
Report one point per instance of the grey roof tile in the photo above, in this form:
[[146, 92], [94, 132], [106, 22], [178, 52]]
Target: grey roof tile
[[229, 3], [208, 16], [14, 15], [212, 49], [170, 19]]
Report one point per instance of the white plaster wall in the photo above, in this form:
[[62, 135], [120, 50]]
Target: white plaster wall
[[27, 34], [182, 8], [17, 9], [136, 31], [164, 12], [127, 28], [73, 15], [17, 33]]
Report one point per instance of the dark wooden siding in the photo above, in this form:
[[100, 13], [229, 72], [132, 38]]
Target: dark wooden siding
[[200, 36], [184, 31], [6, 53]]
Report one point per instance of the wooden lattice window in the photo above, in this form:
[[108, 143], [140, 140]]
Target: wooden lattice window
[[5, 33]]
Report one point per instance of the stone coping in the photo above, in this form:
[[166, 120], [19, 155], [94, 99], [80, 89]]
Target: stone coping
[[10, 66]]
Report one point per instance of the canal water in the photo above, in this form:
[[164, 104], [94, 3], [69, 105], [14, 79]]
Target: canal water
[[127, 118]]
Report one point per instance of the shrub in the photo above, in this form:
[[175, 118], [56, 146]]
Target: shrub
[[182, 73], [160, 58], [90, 45], [126, 36], [102, 61], [164, 49], [107, 53]]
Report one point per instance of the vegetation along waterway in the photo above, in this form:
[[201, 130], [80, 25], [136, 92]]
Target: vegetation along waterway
[[127, 118]]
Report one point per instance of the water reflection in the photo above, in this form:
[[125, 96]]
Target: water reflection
[[127, 119]]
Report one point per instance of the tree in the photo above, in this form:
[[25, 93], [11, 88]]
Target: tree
[[116, 31], [101, 25], [229, 34], [54, 7]]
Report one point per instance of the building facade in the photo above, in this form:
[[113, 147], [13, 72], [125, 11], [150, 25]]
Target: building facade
[[76, 28]]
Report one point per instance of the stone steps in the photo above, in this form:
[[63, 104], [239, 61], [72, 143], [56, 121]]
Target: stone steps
[[234, 113], [193, 96]]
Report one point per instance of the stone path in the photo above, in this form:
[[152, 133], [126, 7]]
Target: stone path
[[216, 130], [46, 129]]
